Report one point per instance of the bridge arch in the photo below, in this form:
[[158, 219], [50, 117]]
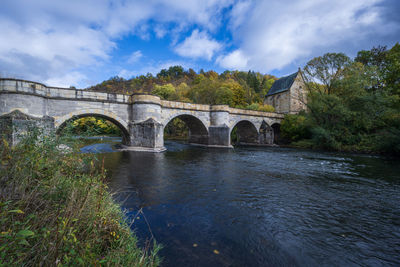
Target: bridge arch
[[246, 132], [61, 122], [198, 132]]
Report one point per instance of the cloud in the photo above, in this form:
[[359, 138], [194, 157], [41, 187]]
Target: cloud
[[67, 80], [198, 45], [235, 59], [153, 68], [45, 39], [48, 40], [135, 57], [270, 35]]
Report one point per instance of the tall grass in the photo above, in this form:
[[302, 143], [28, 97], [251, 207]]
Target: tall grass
[[55, 210]]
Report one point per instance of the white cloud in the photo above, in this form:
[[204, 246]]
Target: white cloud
[[45, 39], [67, 80], [234, 60], [153, 68], [198, 45], [273, 34], [135, 57], [160, 31]]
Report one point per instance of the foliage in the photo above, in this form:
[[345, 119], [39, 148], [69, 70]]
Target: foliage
[[233, 88], [293, 127], [164, 91], [326, 70], [260, 107], [55, 209], [92, 126], [176, 129], [352, 105]]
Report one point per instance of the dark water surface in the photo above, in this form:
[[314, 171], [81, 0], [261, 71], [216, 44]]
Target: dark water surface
[[261, 206]]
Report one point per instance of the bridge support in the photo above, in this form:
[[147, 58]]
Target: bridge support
[[146, 136], [219, 136], [266, 136], [219, 132], [16, 125]]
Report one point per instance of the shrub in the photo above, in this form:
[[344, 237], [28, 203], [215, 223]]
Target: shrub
[[293, 127], [266, 108], [55, 210]]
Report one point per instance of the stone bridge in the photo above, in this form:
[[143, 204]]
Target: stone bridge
[[141, 117]]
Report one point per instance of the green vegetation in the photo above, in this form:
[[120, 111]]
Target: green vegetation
[[353, 105], [55, 209], [234, 88], [92, 126], [176, 130]]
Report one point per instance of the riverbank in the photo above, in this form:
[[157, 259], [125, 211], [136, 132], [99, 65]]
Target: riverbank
[[309, 145], [55, 209]]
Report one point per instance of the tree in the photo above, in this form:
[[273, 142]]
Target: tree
[[392, 70], [164, 91], [326, 70]]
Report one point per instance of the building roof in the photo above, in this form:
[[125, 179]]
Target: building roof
[[283, 84]]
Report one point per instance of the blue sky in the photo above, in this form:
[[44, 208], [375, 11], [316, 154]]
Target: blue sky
[[83, 42]]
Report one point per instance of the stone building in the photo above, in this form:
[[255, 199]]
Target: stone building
[[287, 95]]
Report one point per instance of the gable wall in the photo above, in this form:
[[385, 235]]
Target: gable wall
[[280, 101], [297, 95]]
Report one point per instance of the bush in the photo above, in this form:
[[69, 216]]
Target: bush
[[294, 128], [164, 91], [55, 210], [266, 108], [260, 107]]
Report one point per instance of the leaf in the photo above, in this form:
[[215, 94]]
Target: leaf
[[24, 242], [16, 211], [25, 233]]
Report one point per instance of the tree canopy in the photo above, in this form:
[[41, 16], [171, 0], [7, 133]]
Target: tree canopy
[[352, 104], [234, 88]]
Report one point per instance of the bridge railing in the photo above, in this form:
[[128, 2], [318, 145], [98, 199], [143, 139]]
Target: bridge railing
[[35, 88], [208, 108], [39, 89]]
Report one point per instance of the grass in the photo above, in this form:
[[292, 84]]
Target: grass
[[55, 210]]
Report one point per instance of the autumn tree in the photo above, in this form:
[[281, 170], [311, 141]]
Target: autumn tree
[[326, 70]]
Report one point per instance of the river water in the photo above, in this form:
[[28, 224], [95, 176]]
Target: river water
[[259, 206]]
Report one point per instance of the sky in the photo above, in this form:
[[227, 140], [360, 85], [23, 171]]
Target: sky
[[83, 42]]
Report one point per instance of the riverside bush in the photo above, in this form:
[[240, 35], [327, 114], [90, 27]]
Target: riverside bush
[[55, 209]]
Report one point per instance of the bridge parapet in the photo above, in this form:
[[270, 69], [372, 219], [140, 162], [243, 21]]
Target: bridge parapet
[[142, 117], [39, 89]]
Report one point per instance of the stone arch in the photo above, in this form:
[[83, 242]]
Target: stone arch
[[266, 133], [276, 127], [247, 132], [198, 132], [60, 122]]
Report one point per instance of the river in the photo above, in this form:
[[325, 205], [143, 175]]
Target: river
[[260, 206]]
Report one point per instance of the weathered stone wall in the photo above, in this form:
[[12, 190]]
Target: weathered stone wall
[[298, 98], [280, 101], [15, 125], [290, 101], [141, 117]]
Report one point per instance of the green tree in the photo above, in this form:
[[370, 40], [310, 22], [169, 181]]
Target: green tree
[[326, 70], [392, 70], [294, 128], [164, 91]]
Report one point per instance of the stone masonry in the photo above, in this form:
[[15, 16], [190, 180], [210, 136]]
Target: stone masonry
[[287, 95], [142, 118]]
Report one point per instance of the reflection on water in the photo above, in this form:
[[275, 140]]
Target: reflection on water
[[262, 206]]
